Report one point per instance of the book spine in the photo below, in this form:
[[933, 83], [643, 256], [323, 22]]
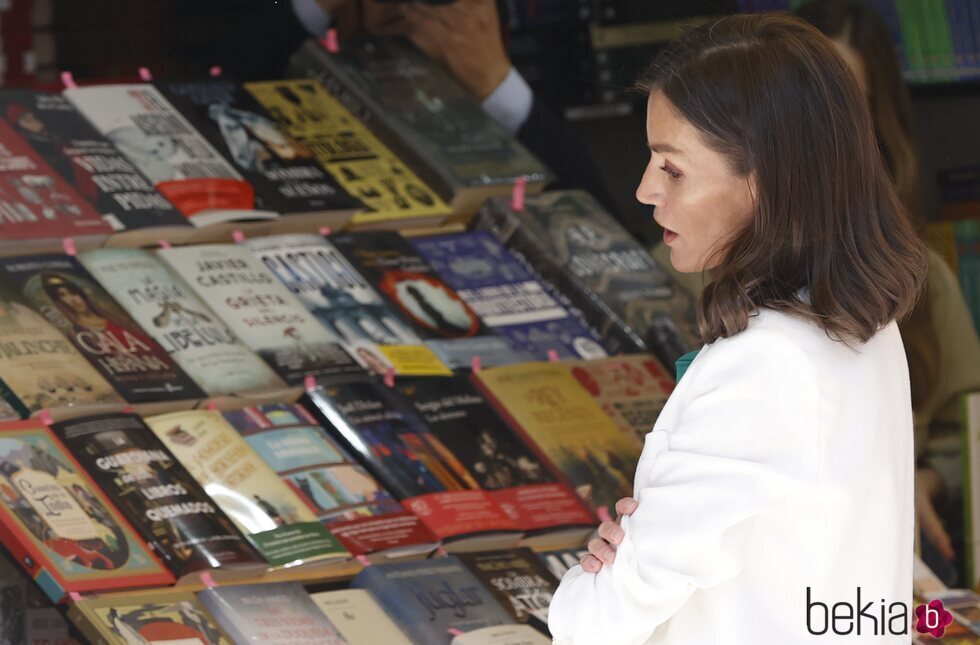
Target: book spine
[[909, 21], [957, 34], [944, 41], [972, 23]]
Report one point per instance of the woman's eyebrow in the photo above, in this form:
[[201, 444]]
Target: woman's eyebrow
[[664, 147]]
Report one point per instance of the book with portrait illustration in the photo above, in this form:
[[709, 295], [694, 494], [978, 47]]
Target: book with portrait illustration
[[392, 194], [517, 578], [359, 618], [60, 289], [166, 506], [59, 526], [169, 310], [356, 508], [284, 173], [507, 296], [166, 148], [433, 309], [376, 425], [279, 524], [494, 458], [415, 106], [427, 599], [92, 165], [260, 310], [583, 253], [158, 616], [566, 427]]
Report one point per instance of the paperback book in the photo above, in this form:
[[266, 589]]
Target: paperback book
[[359, 618], [517, 578]]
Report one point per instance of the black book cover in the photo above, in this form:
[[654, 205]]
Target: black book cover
[[518, 579], [163, 502], [285, 174], [61, 290], [88, 161]]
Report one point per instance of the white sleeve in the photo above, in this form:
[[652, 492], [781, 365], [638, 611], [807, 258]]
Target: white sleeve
[[510, 104], [745, 439]]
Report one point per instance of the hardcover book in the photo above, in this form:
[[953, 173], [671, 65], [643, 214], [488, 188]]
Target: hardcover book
[[359, 618], [183, 166], [356, 508], [397, 447], [428, 599], [435, 311], [272, 614], [267, 511], [62, 291], [162, 616], [566, 426], [517, 578], [58, 525], [169, 310], [284, 173], [391, 192], [94, 167], [425, 116], [39, 367], [580, 250], [165, 505], [260, 310], [507, 296]]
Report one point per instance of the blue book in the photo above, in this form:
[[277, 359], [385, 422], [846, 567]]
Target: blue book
[[431, 597], [507, 296]]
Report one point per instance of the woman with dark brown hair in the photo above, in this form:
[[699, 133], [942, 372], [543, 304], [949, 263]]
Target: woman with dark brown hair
[[778, 479]]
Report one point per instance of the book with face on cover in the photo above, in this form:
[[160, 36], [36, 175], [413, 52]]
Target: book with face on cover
[[615, 284], [392, 194], [517, 578], [61, 290], [359, 618], [260, 310], [59, 526], [159, 616], [93, 166], [415, 106], [356, 508], [165, 505], [168, 310], [268, 512]]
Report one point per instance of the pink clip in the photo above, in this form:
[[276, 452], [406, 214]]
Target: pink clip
[[145, 74], [44, 416], [69, 245], [517, 195], [476, 364], [443, 553], [603, 513], [164, 244], [128, 410], [553, 355], [215, 70], [208, 580], [455, 632], [238, 236], [309, 383], [74, 596], [390, 377], [68, 80], [211, 405], [363, 560], [324, 231], [330, 41]]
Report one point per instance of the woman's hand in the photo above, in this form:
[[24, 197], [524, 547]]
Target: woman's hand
[[602, 550]]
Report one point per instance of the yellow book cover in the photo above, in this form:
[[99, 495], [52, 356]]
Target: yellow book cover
[[245, 487], [364, 166], [568, 427]]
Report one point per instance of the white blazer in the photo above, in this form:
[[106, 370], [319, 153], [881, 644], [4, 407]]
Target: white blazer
[[783, 461]]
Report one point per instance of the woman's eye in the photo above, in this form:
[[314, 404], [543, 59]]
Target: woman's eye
[[671, 172]]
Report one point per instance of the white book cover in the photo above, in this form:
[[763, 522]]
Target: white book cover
[[359, 618]]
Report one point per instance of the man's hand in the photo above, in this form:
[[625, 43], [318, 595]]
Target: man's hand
[[602, 550]]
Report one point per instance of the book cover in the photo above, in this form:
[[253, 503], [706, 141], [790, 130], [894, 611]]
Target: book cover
[[58, 525], [170, 311], [518, 580], [351, 153], [396, 446], [415, 106], [435, 311], [36, 204], [284, 173], [347, 499], [567, 427], [507, 296], [345, 303], [165, 505], [163, 616], [61, 290], [579, 249], [260, 310], [359, 618], [491, 455], [631, 389], [428, 599], [502, 635], [39, 367], [272, 614], [154, 136], [88, 161], [560, 561], [249, 492]]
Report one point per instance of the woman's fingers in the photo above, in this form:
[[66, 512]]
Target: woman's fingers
[[591, 563], [626, 506], [601, 549], [611, 533]]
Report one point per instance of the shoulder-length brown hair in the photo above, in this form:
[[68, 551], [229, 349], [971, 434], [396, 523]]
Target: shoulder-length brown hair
[[770, 93]]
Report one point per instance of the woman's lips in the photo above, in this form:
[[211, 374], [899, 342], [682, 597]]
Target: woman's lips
[[669, 236]]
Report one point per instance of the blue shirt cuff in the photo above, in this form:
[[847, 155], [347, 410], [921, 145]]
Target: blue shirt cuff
[[510, 103]]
